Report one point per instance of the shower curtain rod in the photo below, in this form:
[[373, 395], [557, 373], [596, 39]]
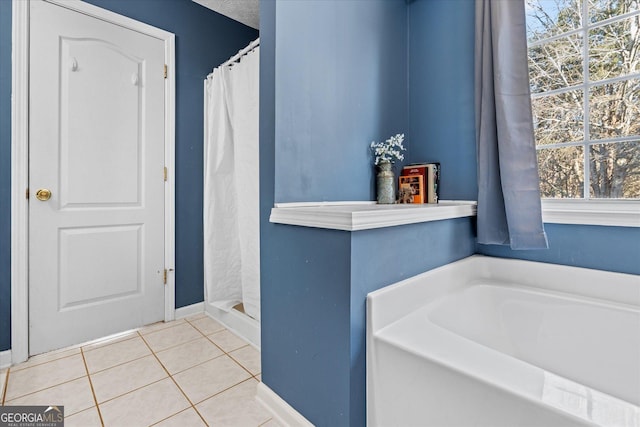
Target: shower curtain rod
[[242, 52]]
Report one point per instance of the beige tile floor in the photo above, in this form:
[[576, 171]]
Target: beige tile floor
[[190, 372]]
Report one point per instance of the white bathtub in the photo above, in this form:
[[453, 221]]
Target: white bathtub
[[498, 342]]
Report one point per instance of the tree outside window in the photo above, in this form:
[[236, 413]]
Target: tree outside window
[[584, 69]]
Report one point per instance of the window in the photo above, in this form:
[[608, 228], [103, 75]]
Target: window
[[584, 69]]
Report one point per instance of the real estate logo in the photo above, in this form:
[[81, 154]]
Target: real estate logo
[[31, 416]]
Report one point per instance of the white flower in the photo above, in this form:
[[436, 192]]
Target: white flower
[[390, 150]]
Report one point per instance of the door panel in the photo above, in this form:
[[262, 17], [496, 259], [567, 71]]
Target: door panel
[[86, 280], [96, 247], [100, 161]]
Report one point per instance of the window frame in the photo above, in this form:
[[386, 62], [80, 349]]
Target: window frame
[[588, 210]]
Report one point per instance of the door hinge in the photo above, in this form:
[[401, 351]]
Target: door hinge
[[166, 271], [165, 174], [27, 193], [165, 71]]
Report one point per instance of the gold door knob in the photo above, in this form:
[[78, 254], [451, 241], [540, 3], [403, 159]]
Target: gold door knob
[[43, 194]]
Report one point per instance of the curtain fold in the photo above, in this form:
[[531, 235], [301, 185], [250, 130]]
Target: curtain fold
[[509, 207], [231, 186]]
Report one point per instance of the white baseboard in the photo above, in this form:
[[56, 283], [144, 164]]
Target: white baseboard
[[189, 310], [282, 411], [5, 359], [238, 323]]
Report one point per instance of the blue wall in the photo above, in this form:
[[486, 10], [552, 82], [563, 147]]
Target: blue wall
[[441, 94], [5, 174], [342, 82], [305, 321], [604, 248], [204, 39]]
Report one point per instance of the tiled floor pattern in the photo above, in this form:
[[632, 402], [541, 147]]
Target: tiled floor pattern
[[190, 372]]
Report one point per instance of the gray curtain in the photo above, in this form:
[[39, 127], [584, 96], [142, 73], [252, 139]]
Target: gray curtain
[[509, 210]]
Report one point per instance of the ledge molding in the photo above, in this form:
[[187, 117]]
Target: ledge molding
[[610, 212], [356, 216]]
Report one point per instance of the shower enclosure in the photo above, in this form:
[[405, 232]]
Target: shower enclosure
[[231, 194]]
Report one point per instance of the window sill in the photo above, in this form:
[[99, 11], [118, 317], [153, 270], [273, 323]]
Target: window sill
[[620, 213], [355, 216]]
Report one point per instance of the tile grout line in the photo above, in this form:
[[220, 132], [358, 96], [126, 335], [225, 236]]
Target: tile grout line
[[230, 356], [43, 363], [5, 387], [173, 346], [176, 383], [21, 372], [42, 389], [141, 333], [197, 364], [130, 391], [93, 392], [241, 365], [119, 364], [177, 413], [231, 351], [181, 344], [228, 353], [222, 349], [226, 389], [270, 419]]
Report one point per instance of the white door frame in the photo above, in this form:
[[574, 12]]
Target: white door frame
[[20, 162]]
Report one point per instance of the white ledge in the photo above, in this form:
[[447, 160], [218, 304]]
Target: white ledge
[[609, 212], [355, 216]]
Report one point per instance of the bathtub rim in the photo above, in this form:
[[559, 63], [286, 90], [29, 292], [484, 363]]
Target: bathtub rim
[[626, 289]]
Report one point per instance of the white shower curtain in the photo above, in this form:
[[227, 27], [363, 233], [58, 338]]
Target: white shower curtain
[[231, 186]]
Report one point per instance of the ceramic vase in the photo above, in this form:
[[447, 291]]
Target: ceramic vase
[[386, 184]]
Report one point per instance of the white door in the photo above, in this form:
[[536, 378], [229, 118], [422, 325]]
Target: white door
[[96, 142]]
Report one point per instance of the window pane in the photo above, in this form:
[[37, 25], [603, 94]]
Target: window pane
[[614, 49], [547, 18], [556, 64], [558, 118], [614, 110], [600, 10], [615, 170], [561, 172]]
